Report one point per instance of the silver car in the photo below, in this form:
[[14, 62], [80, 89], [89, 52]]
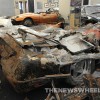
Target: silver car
[[90, 14]]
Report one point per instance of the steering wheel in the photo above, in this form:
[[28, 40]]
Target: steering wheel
[[50, 10]]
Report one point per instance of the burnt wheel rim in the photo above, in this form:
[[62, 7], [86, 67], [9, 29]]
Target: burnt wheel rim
[[81, 68]]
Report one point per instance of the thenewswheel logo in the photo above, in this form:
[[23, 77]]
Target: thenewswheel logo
[[74, 90]]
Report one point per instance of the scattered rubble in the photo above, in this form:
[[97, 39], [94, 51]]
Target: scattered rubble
[[5, 22]]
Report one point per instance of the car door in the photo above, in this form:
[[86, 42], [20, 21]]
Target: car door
[[53, 17], [44, 18], [48, 17], [36, 18]]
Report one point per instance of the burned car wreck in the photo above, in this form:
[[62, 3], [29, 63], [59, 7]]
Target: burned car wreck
[[30, 59]]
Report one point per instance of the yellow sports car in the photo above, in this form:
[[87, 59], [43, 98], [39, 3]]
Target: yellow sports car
[[28, 19]]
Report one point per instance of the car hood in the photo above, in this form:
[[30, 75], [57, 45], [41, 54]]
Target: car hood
[[23, 15], [92, 16], [93, 11]]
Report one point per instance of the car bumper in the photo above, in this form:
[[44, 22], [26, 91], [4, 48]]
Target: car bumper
[[14, 22]]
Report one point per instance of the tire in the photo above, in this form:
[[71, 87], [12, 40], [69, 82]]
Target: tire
[[0, 67], [61, 19], [28, 22], [79, 69]]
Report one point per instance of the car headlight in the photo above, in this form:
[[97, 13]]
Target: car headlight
[[89, 17]]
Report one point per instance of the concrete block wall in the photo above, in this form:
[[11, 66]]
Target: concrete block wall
[[7, 8], [64, 8]]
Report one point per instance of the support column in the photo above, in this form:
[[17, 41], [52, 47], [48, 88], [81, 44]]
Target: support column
[[64, 8]]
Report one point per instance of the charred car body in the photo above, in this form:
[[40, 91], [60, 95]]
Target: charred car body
[[30, 59]]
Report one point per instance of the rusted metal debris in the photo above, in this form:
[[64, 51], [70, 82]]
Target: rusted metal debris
[[30, 59], [92, 82]]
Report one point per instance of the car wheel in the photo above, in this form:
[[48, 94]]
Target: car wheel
[[79, 69], [0, 67], [28, 22], [60, 19]]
